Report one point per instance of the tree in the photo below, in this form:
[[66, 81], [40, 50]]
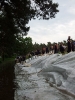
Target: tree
[[15, 15], [21, 11], [23, 46], [36, 46]]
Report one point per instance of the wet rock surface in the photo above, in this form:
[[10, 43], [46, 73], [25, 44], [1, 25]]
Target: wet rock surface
[[47, 77]]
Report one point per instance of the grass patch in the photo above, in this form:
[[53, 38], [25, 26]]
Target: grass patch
[[9, 62]]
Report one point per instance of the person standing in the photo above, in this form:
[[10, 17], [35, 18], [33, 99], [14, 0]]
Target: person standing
[[72, 45], [56, 48], [61, 48], [69, 44], [47, 51], [52, 49]]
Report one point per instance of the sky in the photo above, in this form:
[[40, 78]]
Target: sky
[[56, 29]]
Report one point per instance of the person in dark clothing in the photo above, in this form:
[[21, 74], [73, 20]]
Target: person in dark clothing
[[38, 52], [47, 51], [72, 45], [69, 44], [23, 58], [61, 48], [43, 50], [55, 48], [52, 49]]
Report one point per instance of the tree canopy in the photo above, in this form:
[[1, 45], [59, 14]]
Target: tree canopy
[[15, 15], [19, 12]]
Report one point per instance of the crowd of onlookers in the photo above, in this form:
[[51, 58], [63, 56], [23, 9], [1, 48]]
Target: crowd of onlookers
[[20, 59], [56, 48]]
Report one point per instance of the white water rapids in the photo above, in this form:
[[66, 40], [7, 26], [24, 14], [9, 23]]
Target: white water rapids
[[47, 77]]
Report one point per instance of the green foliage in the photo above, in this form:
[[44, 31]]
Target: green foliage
[[7, 60], [15, 15], [23, 45], [45, 9]]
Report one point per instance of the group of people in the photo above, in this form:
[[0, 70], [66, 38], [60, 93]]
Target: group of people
[[70, 46], [20, 59], [55, 48], [39, 52]]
